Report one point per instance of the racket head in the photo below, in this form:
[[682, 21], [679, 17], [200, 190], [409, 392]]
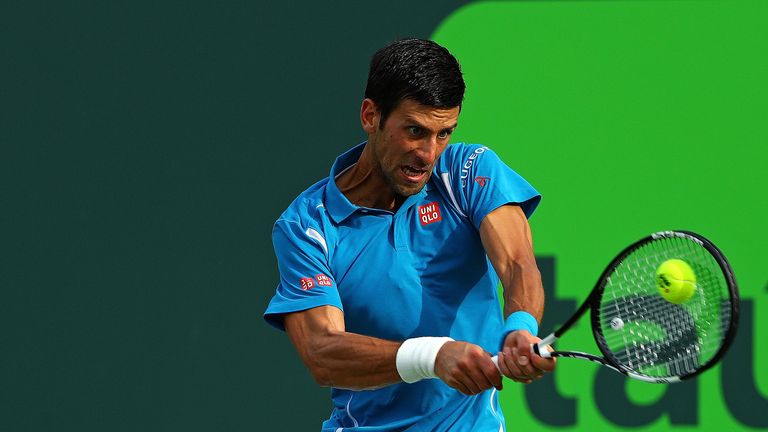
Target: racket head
[[641, 333]]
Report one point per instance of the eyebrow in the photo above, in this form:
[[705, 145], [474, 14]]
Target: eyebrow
[[417, 123]]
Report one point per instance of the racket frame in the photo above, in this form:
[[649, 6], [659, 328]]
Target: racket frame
[[593, 302]]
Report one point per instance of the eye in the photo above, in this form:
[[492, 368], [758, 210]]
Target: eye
[[414, 131], [444, 134]]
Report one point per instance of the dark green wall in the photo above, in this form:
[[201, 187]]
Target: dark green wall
[[145, 151]]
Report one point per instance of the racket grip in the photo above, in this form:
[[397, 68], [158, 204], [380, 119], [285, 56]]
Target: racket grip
[[495, 360], [543, 353]]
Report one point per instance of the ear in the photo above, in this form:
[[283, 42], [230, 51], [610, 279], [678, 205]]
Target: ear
[[369, 116]]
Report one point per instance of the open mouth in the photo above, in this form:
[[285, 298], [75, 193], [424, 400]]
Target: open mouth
[[413, 174]]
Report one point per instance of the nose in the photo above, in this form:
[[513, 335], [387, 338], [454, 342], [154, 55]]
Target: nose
[[427, 150]]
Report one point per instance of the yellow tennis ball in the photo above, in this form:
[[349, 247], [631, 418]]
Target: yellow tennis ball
[[676, 281]]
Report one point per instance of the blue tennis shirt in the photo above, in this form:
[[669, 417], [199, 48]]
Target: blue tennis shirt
[[421, 271]]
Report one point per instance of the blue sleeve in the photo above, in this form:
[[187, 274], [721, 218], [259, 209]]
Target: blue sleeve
[[305, 279], [482, 182]]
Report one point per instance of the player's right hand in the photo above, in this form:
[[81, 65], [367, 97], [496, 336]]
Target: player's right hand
[[467, 368], [518, 362]]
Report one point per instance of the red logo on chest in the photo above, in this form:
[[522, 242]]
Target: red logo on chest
[[323, 280], [429, 213]]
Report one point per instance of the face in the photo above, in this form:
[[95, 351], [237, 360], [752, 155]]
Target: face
[[407, 148]]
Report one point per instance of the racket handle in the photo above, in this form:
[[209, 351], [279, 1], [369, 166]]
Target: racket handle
[[495, 360], [541, 350], [538, 349]]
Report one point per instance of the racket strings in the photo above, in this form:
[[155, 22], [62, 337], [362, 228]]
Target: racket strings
[[648, 334]]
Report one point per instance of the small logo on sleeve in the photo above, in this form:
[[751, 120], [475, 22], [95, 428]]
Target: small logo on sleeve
[[482, 180], [323, 280], [468, 164], [429, 213], [307, 283]]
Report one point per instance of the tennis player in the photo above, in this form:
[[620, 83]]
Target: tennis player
[[389, 266]]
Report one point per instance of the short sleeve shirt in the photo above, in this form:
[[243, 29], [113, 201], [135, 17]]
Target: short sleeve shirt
[[420, 271]]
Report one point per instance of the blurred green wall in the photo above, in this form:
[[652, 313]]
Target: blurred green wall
[[146, 149], [630, 117]]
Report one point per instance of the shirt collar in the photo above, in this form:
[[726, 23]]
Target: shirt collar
[[336, 203]]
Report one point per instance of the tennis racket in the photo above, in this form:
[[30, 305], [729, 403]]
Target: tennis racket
[[650, 337]]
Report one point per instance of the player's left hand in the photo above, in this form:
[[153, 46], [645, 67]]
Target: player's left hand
[[518, 362]]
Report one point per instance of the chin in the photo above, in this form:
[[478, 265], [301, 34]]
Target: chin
[[408, 190]]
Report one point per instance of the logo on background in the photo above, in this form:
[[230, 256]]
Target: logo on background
[[429, 213]]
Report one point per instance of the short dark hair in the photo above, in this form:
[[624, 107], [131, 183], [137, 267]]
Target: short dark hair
[[415, 69]]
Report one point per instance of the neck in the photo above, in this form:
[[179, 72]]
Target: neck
[[364, 185]]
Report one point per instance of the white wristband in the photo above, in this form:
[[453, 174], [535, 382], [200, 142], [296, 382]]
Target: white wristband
[[416, 358]]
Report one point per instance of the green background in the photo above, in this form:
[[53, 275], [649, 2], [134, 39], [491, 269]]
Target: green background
[[146, 149], [630, 117]]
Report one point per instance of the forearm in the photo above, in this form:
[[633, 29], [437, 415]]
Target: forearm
[[353, 361], [507, 239], [339, 358], [522, 289]]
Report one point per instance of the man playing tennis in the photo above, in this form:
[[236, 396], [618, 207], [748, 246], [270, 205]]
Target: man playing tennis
[[389, 266]]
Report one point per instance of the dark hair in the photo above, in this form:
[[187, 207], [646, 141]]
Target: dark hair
[[415, 69]]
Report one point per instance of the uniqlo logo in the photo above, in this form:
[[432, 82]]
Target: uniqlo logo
[[429, 213], [323, 280], [307, 283]]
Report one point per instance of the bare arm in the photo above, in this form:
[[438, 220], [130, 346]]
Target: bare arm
[[338, 358], [348, 360], [506, 236], [507, 240]]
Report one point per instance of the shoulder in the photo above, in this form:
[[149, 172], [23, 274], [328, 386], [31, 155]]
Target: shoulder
[[459, 160], [460, 155], [304, 224], [306, 209]]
